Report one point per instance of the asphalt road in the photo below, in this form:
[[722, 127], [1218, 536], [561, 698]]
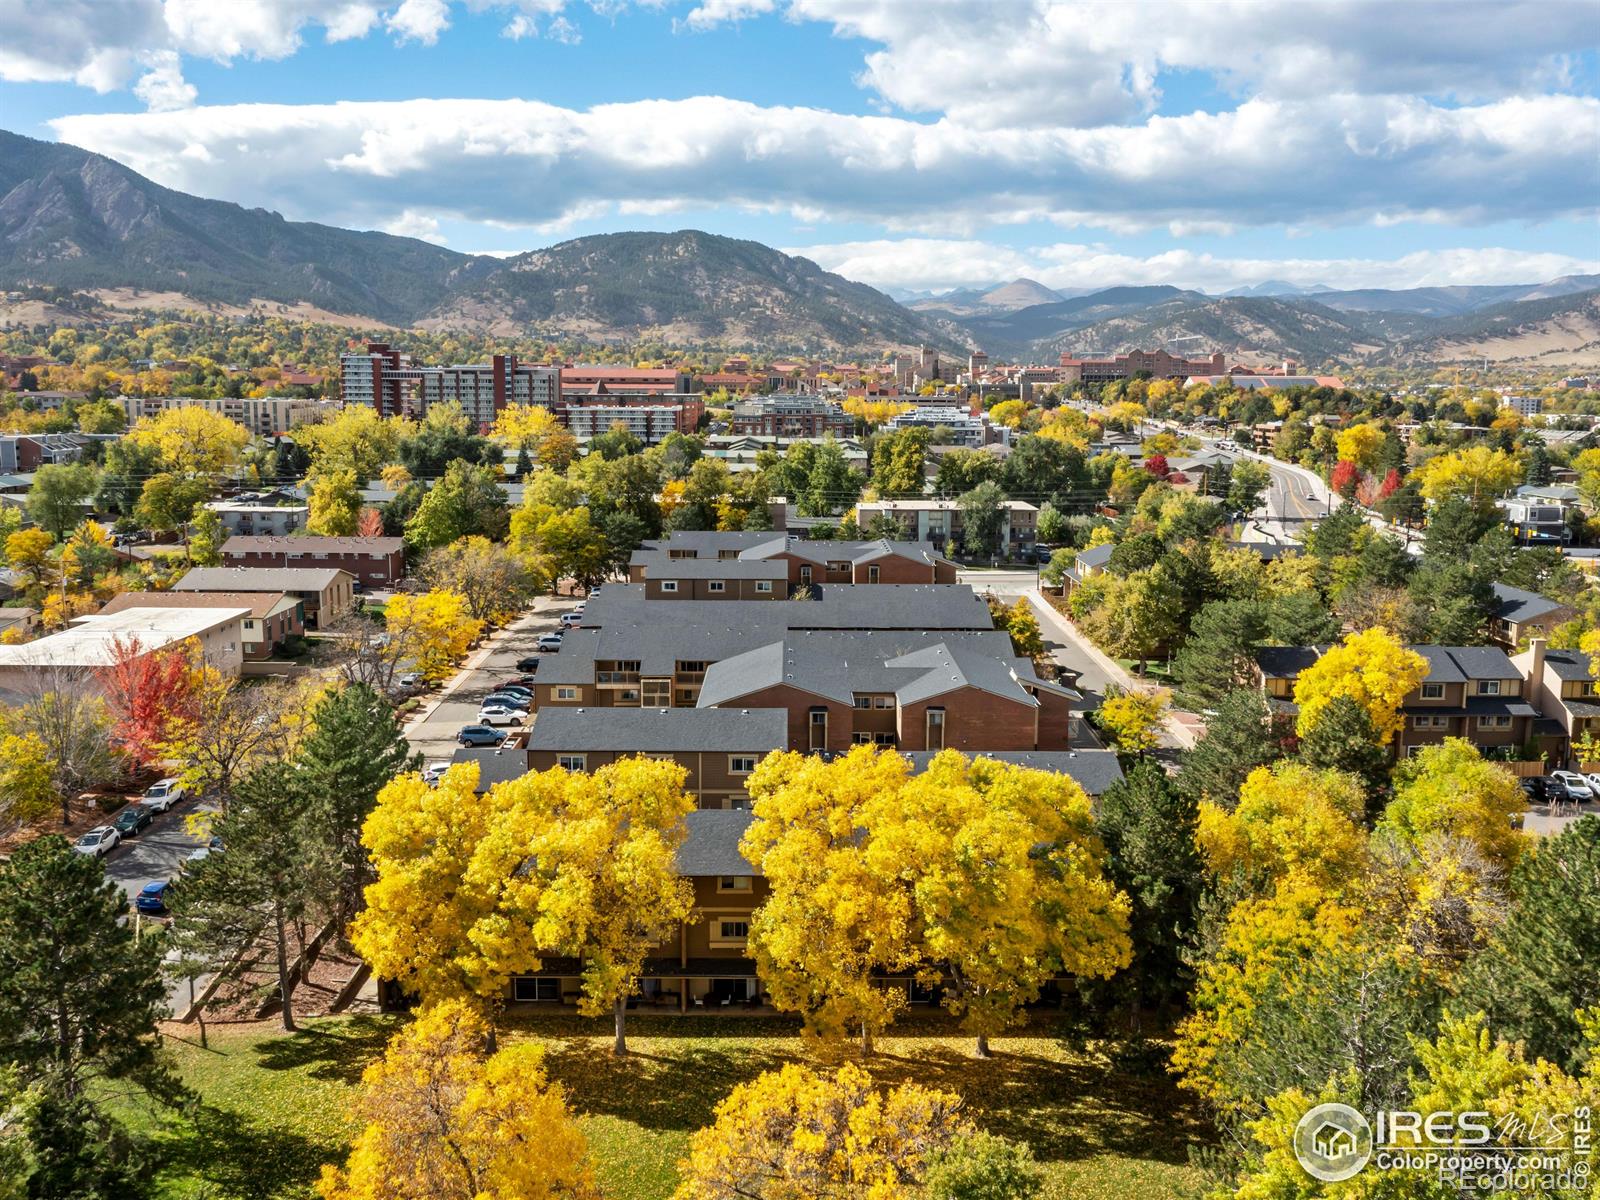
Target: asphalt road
[[458, 703]]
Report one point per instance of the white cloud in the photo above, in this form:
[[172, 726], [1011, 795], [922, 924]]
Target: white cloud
[[1343, 159], [928, 264], [711, 13], [268, 29], [413, 224], [564, 31], [85, 42], [419, 20], [519, 27], [163, 87]]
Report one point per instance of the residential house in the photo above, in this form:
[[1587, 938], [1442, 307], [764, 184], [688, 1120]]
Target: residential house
[[325, 594], [375, 561], [1540, 514], [1086, 564], [1519, 616], [941, 523], [771, 566], [95, 642], [1565, 686], [270, 617]]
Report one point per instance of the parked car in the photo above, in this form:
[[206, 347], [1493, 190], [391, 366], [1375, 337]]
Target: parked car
[[479, 735], [505, 697], [162, 795], [571, 620], [410, 679], [433, 772], [153, 897], [1594, 784], [1575, 785], [102, 839], [521, 682], [529, 664], [131, 820], [1533, 788], [501, 714], [549, 641]]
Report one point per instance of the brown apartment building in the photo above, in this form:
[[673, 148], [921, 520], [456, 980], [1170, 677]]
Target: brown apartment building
[[270, 617], [757, 566], [324, 592], [1152, 364], [375, 561]]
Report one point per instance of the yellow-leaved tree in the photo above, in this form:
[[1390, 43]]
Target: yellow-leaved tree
[[444, 1122], [437, 882], [354, 439], [1450, 790], [334, 505], [191, 440], [599, 880], [1008, 884], [526, 426], [1475, 473], [1373, 669], [836, 915], [792, 1134], [435, 628], [1359, 444], [1134, 719], [1291, 821]]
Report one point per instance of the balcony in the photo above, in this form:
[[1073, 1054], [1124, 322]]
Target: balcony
[[616, 677]]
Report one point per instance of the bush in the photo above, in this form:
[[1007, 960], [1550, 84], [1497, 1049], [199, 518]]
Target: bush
[[984, 1167]]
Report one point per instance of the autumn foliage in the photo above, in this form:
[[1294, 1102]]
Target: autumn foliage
[[150, 694]]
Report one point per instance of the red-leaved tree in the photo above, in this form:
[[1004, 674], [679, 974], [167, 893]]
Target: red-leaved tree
[[148, 693], [369, 523], [1156, 464], [1391, 484], [1346, 475]]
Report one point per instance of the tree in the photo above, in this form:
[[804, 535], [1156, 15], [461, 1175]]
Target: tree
[[525, 426], [1247, 485], [167, 501], [1291, 822], [1238, 739], [615, 443], [466, 501], [444, 437], [1454, 527], [434, 628], [1359, 444], [354, 438], [1007, 881], [1345, 478], [961, 470], [1133, 719], [1053, 526], [600, 882], [444, 1122], [1219, 656], [230, 731], [278, 870], [791, 1134], [192, 441], [1148, 825], [982, 1166], [1477, 474], [1544, 963], [834, 917], [67, 714], [354, 748], [80, 995], [206, 537], [27, 791], [428, 894], [567, 545], [983, 517], [55, 501], [831, 484], [334, 504], [1343, 738], [148, 692], [494, 581], [897, 462], [1370, 667], [28, 552], [1018, 620]]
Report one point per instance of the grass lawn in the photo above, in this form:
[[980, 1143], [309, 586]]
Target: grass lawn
[[1155, 671], [272, 1108]]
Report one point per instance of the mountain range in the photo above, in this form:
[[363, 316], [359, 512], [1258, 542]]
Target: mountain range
[[79, 221]]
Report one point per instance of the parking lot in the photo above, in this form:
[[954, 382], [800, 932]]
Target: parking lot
[[435, 734]]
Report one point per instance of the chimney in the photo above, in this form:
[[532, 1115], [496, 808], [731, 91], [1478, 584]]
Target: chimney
[[1536, 648]]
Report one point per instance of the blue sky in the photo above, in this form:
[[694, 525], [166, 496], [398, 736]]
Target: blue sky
[[911, 145]]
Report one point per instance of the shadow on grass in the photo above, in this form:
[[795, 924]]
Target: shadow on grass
[[336, 1050], [239, 1159]]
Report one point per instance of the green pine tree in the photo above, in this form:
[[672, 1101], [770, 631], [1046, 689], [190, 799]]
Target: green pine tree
[[1241, 737], [1344, 739]]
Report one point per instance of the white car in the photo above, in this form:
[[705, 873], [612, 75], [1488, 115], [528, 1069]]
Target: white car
[[1577, 785], [162, 795], [433, 772], [102, 839], [1594, 783], [410, 679], [571, 620], [549, 641], [502, 714]]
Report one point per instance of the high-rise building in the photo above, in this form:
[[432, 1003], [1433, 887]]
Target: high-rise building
[[395, 386]]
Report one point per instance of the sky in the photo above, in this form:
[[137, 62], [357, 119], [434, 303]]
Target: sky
[[915, 145]]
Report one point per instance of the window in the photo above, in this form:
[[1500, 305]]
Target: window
[[716, 585], [1586, 688], [872, 574], [936, 729], [1441, 722], [656, 693], [741, 764], [1488, 687], [733, 883], [728, 931], [723, 554], [863, 701], [249, 624], [669, 585], [564, 693], [883, 739], [1420, 722], [883, 702], [805, 573], [1433, 691], [838, 565], [1495, 722], [818, 724], [572, 762], [763, 585], [542, 990], [629, 696], [861, 739]]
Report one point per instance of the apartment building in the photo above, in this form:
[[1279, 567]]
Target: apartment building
[[1473, 692], [95, 642], [649, 418], [392, 383], [1520, 616], [694, 563], [940, 523], [270, 617], [324, 593], [252, 517], [964, 428], [1565, 686], [791, 416], [589, 379], [375, 561], [264, 416], [911, 666]]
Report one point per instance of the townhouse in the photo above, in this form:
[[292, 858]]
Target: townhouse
[[325, 594], [375, 561], [940, 522], [270, 617], [1473, 692], [248, 518], [772, 566], [1564, 687], [1519, 616]]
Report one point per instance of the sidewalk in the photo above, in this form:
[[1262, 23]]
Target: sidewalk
[[1177, 733], [473, 661]]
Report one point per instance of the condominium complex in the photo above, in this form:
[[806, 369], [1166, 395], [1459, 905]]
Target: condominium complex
[[263, 416], [790, 416], [394, 385], [1153, 364]]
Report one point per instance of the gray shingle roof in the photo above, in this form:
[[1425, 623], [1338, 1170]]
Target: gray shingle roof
[[1446, 664], [1569, 664], [1094, 770], [1516, 605], [659, 730], [659, 566], [1286, 662], [258, 579], [495, 765], [712, 845], [1096, 556]]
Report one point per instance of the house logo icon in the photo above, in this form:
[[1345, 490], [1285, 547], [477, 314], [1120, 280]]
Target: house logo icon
[[1332, 1142]]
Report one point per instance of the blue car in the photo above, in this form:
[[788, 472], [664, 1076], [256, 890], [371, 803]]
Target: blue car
[[152, 897], [480, 735]]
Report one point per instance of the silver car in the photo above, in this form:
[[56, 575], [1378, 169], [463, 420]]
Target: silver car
[[100, 840]]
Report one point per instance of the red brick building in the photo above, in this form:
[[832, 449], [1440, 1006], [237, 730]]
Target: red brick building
[[374, 561], [1155, 364]]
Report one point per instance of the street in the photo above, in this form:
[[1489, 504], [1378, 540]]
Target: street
[[458, 702]]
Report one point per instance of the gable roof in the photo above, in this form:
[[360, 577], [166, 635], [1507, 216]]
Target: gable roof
[[1096, 556], [259, 579], [257, 604], [711, 846], [312, 544], [1093, 770], [1515, 605], [659, 730]]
